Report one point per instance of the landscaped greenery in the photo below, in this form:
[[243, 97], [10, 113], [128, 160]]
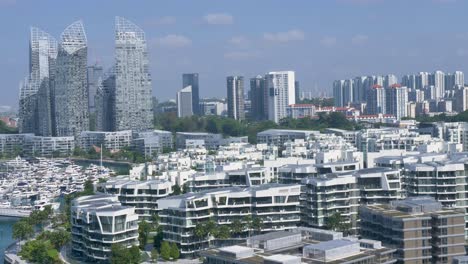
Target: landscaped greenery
[[125, 154], [461, 117], [123, 255], [318, 101], [231, 127], [45, 248], [4, 129]]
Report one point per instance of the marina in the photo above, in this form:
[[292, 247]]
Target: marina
[[27, 185]]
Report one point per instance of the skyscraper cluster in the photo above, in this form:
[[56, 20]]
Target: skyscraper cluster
[[61, 90], [415, 94], [269, 96]]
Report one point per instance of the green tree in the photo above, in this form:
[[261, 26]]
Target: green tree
[[155, 222], [223, 232], [154, 255], [176, 190], [175, 254], [237, 227], [257, 224], [200, 230], [165, 250], [22, 230], [336, 222], [143, 231], [123, 255], [59, 238], [88, 188], [39, 251]]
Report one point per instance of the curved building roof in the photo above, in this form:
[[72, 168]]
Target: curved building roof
[[127, 30], [73, 37]]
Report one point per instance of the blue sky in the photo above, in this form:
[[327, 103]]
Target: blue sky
[[321, 40]]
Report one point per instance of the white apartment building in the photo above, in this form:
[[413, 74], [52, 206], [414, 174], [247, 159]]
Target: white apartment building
[[276, 205], [278, 137], [280, 93], [112, 141], [343, 193], [98, 222], [142, 195], [184, 102]]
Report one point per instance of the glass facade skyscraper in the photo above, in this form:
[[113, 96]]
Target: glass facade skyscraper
[[70, 93], [133, 105], [191, 79], [35, 109]]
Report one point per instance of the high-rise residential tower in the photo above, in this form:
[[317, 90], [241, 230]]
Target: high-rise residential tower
[[94, 73], [105, 101], [36, 108], [235, 97], [338, 92], [281, 93], [192, 80], [184, 102], [397, 100], [438, 80], [376, 103], [70, 91], [133, 105], [257, 98]]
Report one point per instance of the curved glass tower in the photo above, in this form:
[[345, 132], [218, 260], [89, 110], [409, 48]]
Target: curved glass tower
[[132, 106], [35, 92], [70, 93]]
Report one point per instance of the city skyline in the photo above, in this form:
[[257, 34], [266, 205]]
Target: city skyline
[[219, 39]]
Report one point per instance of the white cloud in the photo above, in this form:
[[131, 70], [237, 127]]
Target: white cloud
[[359, 39], [5, 108], [240, 41], [291, 35], [239, 55], [166, 20], [219, 19], [328, 41], [174, 41]]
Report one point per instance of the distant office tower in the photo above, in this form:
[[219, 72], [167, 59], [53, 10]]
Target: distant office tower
[[105, 101], [191, 79], [133, 91], [338, 92], [297, 90], [281, 93], [376, 103], [379, 80], [409, 81], [35, 111], [454, 79], [461, 98], [343, 92], [257, 94], [93, 75], [438, 80], [459, 78], [71, 97], [235, 97], [184, 102], [396, 100], [390, 80], [422, 80], [348, 92], [359, 89]]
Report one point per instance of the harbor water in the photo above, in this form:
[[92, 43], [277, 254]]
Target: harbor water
[[6, 225]]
